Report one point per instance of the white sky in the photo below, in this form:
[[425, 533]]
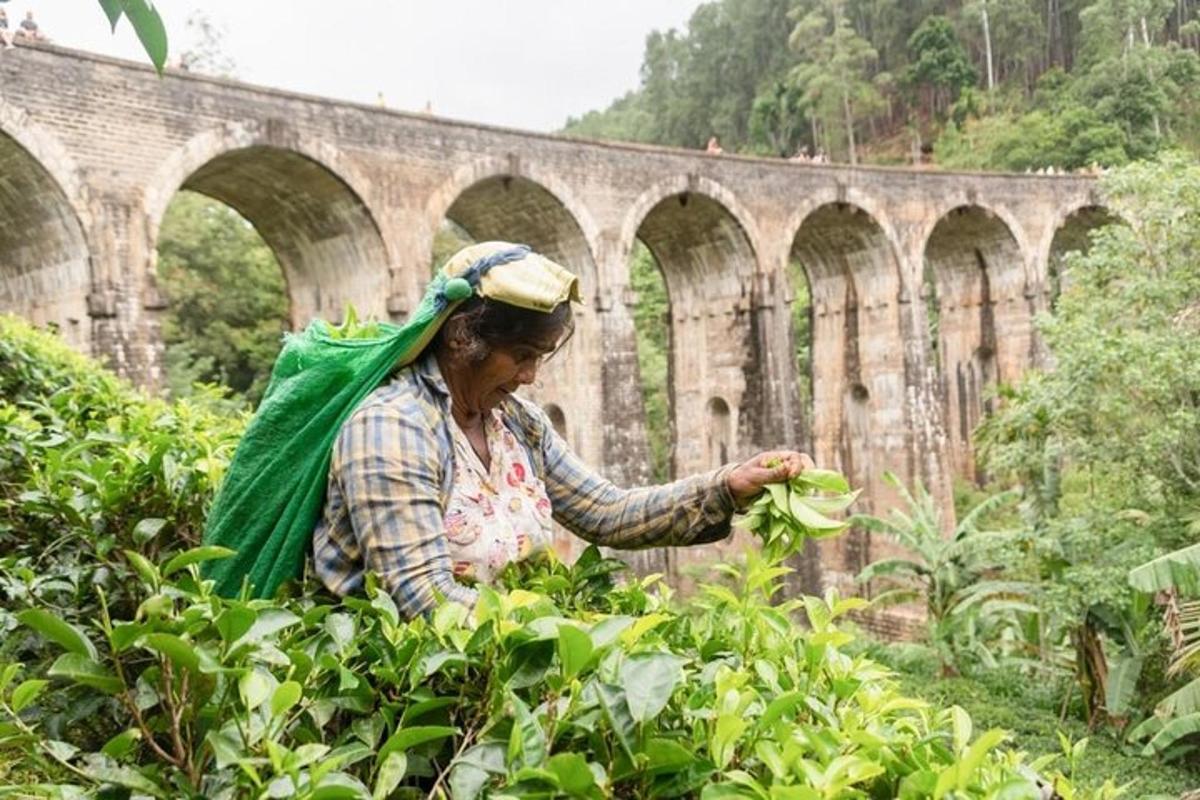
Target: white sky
[[520, 63]]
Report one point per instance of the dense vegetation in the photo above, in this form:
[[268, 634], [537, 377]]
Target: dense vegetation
[[993, 84], [124, 675], [1066, 599], [227, 302]]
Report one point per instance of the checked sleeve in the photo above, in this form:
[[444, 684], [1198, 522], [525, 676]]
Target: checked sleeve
[[386, 465], [693, 510]]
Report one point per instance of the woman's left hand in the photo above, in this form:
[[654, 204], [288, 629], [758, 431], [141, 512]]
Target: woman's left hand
[[748, 479]]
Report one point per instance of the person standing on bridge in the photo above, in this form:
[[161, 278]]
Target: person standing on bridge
[[443, 475], [29, 29], [6, 37]]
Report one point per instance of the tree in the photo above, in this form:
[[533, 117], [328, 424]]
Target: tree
[[777, 117], [1107, 444], [953, 577], [939, 68], [652, 321], [227, 303], [835, 68]]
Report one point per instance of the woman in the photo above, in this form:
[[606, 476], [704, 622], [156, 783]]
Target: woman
[[444, 475]]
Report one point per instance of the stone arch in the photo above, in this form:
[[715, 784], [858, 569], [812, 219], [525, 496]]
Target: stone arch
[[708, 261], [299, 196], [958, 203], [720, 443], [46, 270], [511, 200], [977, 290], [678, 186], [1072, 233], [859, 362]]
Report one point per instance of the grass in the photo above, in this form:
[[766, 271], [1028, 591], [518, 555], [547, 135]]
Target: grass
[[1029, 709]]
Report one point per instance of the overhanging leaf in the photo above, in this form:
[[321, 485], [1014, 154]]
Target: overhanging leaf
[[113, 10], [58, 631], [148, 26], [196, 555]]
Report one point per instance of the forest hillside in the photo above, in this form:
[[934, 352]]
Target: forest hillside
[[980, 84]]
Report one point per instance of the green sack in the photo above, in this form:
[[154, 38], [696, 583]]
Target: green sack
[[270, 499]]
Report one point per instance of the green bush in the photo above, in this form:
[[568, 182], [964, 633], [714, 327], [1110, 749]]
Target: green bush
[[128, 677]]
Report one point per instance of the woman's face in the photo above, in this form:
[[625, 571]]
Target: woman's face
[[505, 370]]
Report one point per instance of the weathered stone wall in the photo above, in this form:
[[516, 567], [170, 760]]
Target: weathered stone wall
[[350, 197]]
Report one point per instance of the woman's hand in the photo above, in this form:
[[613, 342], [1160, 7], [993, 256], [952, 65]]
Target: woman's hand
[[748, 479]]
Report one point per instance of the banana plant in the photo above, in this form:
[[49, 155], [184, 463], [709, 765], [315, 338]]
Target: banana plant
[[1177, 716], [954, 577]]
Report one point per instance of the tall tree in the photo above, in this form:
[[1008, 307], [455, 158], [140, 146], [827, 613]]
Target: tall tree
[[836, 68], [939, 69], [227, 303]]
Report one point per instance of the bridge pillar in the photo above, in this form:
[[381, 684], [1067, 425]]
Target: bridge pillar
[[124, 303], [624, 451]]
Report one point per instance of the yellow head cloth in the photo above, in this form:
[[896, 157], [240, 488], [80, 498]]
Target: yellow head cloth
[[533, 282], [522, 279]]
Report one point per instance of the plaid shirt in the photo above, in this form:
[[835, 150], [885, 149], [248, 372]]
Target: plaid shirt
[[391, 476]]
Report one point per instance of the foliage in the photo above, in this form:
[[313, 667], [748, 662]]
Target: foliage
[[1070, 138], [1104, 444], [957, 578], [1031, 707], [776, 116], [227, 301], [651, 321], [1119, 407], [138, 680], [531, 695], [1171, 731], [802, 334], [147, 24], [88, 467], [1072, 83], [939, 64], [835, 71]]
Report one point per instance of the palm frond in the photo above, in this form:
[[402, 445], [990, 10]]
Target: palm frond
[[890, 567], [969, 522]]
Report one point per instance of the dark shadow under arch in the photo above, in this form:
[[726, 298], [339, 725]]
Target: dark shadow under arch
[[853, 281], [972, 262], [698, 243]]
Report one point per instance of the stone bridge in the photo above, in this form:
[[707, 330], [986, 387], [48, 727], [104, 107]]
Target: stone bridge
[[350, 197]]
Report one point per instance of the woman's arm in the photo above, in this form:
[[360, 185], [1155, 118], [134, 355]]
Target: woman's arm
[[387, 461], [694, 510]]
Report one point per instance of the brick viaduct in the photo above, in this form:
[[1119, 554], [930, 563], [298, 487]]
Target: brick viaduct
[[349, 197]]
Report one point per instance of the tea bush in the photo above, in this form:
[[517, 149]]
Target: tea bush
[[126, 676]]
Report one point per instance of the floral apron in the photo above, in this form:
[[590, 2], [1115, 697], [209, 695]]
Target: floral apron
[[496, 516]]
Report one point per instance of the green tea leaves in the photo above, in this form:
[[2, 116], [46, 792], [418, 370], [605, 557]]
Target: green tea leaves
[[786, 515]]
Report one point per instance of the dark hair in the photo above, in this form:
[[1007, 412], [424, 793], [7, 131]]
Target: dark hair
[[490, 324]]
